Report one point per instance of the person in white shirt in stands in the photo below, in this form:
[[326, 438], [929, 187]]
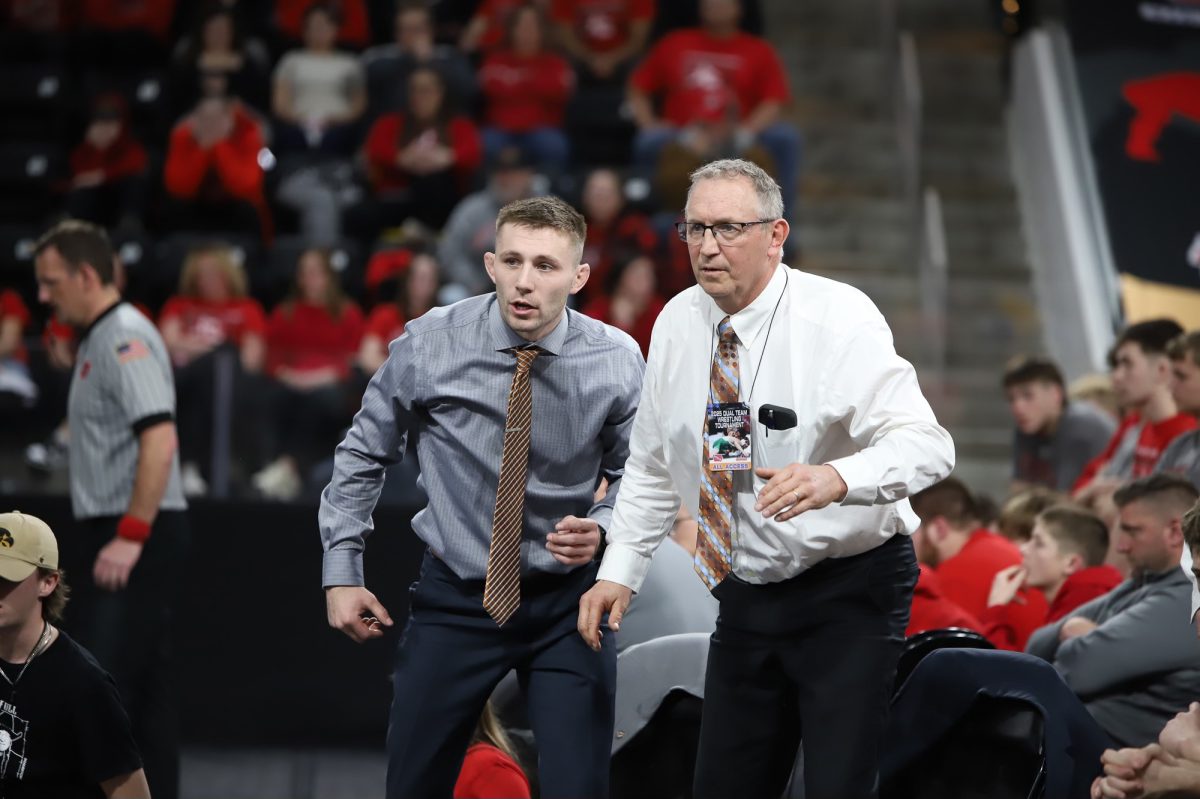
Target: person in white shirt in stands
[[808, 553]]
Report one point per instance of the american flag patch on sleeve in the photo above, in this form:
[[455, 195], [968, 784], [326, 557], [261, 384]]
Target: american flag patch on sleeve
[[131, 350]]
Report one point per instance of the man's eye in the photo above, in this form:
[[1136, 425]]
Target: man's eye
[[725, 228]]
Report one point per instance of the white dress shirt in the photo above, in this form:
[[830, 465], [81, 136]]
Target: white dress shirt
[[829, 357]]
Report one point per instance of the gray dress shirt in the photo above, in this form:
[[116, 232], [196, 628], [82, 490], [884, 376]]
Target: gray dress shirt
[[448, 377]]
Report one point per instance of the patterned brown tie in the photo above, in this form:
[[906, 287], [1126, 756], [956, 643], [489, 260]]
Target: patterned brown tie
[[713, 543], [502, 589]]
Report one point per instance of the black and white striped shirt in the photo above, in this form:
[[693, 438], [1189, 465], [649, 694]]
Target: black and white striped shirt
[[122, 384]]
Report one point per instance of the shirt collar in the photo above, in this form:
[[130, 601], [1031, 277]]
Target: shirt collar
[[751, 322], [505, 338], [96, 321]]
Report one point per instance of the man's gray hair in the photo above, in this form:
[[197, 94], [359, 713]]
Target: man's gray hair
[[770, 200]]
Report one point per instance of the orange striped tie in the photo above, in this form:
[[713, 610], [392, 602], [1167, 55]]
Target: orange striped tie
[[502, 588], [713, 542]]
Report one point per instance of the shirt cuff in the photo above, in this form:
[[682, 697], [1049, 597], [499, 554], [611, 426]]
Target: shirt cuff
[[860, 488], [342, 567], [625, 566], [602, 515]]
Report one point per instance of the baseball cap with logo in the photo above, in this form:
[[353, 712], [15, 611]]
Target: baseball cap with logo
[[26, 543]]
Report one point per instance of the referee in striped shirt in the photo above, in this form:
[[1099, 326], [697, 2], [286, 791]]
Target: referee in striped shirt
[[125, 485]]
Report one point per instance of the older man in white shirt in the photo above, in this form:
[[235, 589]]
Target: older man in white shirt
[[808, 551]]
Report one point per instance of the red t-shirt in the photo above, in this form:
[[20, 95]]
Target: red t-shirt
[[525, 93], [932, 610], [1004, 624], [13, 307], [308, 338], [691, 64], [383, 145], [386, 322], [355, 29], [1153, 438], [967, 578], [497, 14], [601, 25], [642, 327], [488, 773], [216, 322]]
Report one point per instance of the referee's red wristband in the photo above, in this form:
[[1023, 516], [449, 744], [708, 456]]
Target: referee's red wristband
[[131, 528]]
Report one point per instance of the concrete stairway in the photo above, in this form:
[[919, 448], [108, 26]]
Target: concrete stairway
[[855, 226]]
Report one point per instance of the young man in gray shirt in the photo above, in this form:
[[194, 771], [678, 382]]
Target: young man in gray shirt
[[522, 409], [1054, 438]]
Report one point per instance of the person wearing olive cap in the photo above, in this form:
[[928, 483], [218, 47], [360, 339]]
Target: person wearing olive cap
[[63, 731]]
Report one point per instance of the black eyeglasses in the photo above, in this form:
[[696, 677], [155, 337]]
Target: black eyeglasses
[[724, 232]]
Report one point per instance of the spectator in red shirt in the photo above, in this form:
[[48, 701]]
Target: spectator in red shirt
[[212, 174], [352, 27], [491, 769], [525, 89], [210, 315], [631, 300], [108, 168], [312, 340], [715, 58], [421, 160], [1064, 559], [416, 295], [1141, 375], [318, 93], [933, 610], [965, 556], [602, 36], [612, 228], [17, 389]]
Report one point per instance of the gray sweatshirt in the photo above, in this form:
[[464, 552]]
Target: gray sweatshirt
[[1141, 665]]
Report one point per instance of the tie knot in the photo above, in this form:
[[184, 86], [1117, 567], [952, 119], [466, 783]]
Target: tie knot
[[525, 356], [725, 328]]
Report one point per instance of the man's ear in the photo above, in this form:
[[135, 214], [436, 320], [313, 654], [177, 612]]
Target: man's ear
[[46, 584], [489, 263], [582, 273], [1073, 563]]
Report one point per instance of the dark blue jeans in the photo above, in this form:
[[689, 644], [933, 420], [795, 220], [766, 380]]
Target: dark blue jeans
[[451, 656]]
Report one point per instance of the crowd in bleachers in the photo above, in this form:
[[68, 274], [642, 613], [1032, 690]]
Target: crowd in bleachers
[[270, 171], [1088, 562], [289, 183]]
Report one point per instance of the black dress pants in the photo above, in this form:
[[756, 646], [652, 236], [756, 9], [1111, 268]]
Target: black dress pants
[[811, 658]]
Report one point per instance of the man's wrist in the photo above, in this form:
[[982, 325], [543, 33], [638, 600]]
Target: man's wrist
[[599, 556], [131, 528]]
